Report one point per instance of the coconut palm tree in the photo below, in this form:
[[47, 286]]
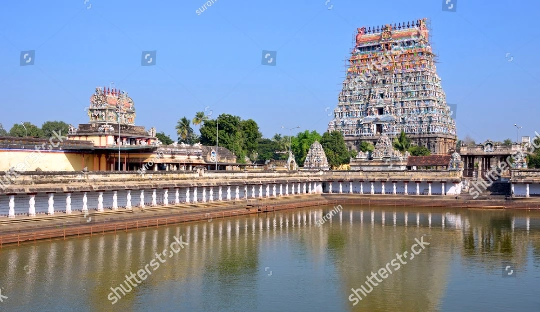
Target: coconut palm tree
[[402, 143], [183, 129], [199, 118]]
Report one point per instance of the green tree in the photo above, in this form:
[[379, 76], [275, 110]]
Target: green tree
[[19, 131], [419, 151], [3, 131], [507, 142], [251, 135], [49, 127], [301, 143], [281, 142], [335, 148], [184, 130], [267, 149], [366, 146], [165, 139], [402, 143], [199, 118], [239, 136]]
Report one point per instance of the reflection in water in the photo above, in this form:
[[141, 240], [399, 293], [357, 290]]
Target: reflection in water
[[312, 267]]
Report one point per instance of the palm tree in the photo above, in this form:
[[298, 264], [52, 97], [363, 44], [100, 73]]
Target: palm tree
[[402, 143], [199, 118], [183, 129]]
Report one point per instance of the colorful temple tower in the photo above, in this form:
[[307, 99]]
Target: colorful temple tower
[[392, 85]]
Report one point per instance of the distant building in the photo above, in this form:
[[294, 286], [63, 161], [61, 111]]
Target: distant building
[[108, 141], [316, 157], [391, 85]]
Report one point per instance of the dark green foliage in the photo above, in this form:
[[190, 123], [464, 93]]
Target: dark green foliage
[[402, 143], [33, 131], [335, 148], [366, 146], [239, 136], [165, 139], [301, 143], [419, 151], [49, 127]]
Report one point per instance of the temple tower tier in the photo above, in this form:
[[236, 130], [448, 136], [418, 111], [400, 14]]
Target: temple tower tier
[[391, 86]]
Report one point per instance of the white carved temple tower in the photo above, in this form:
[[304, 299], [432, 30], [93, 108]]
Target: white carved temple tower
[[392, 85]]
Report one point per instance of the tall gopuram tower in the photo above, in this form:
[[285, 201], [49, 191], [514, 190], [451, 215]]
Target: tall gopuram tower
[[392, 85]]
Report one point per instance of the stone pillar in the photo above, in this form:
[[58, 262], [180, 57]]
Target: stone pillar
[[204, 194], [176, 196], [154, 197], [237, 193], [245, 191], [253, 193], [350, 187], [417, 188], [50, 210], [229, 192], [274, 190], [260, 191], [405, 184], [512, 187], [281, 189], [362, 187], [141, 204], [68, 203], [165, 197], [372, 188], [267, 190], [220, 193], [115, 200], [309, 187], [340, 188], [195, 195], [329, 188], [292, 189], [211, 199], [394, 191], [305, 188], [11, 213], [429, 188], [128, 197], [443, 186], [287, 189], [383, 191], [298, 189], [187, 195], [100, 201], [32, 205], [84, 202], [527, 190]]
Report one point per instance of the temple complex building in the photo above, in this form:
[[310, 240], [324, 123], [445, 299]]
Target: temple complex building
[[110, 141], [391, 85], [316, 157]]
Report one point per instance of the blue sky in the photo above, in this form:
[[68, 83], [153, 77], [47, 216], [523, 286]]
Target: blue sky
[[486, 52]]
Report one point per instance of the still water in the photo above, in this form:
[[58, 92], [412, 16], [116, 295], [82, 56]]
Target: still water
[[476, 260]]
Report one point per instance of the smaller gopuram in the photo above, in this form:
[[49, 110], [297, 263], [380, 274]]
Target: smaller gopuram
[[112, 122], [316, 158], [384, 157]]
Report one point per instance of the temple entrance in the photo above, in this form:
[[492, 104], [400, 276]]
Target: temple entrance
[[378, 128]]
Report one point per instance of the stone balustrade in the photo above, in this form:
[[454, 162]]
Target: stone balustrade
[[47, 193]]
